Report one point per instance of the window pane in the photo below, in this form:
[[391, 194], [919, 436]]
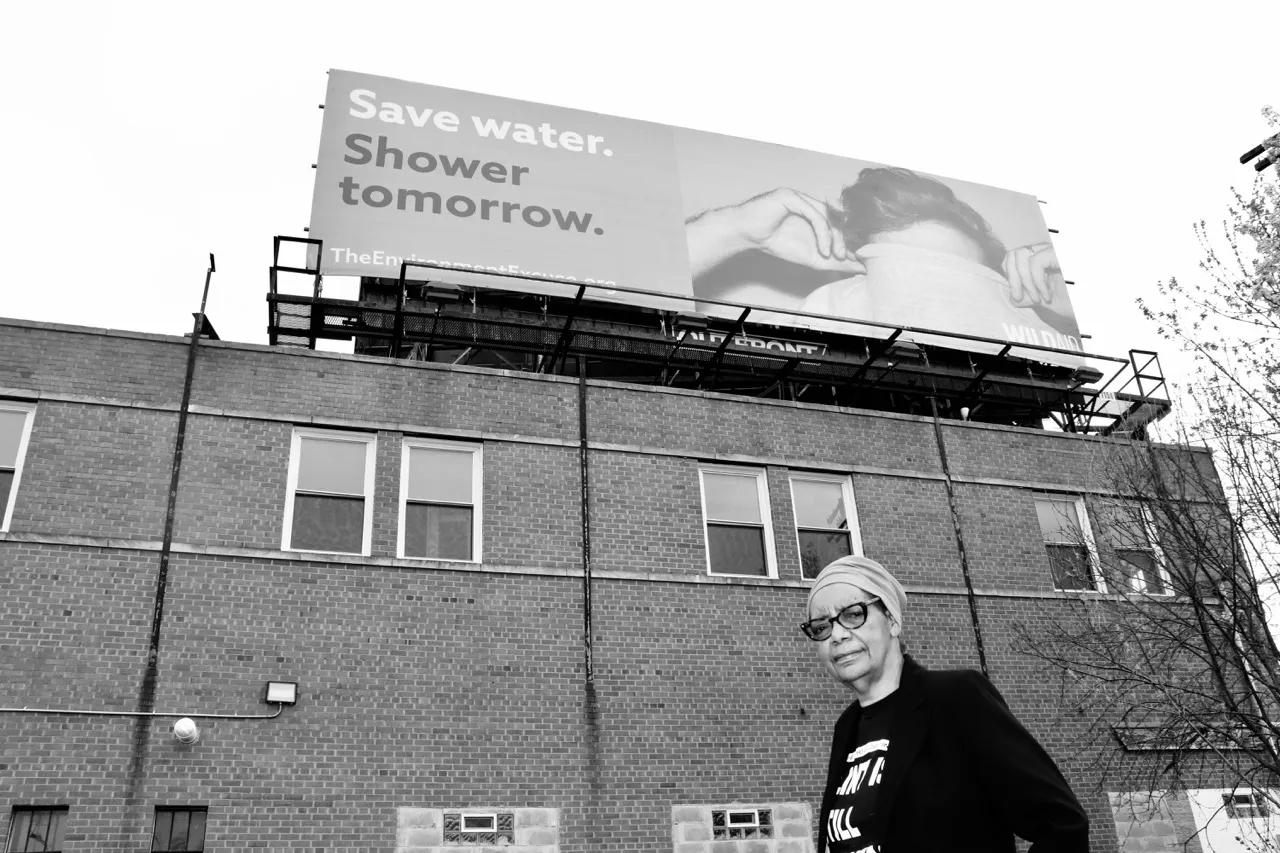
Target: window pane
[[1058, 521], [6, 484], [38, 835], [818, 547], [18, 830], [819, 504], [440, 475], [325, 523], [329, 465], [164, 825], [442, 532], [1070, 566], [195, 832], [178, 836], [736, 550], [1140, 570], [731, 497], [10, 432], [1128, 526], [57, 825]]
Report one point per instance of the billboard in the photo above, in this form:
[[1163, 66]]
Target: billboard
[[408, 171]]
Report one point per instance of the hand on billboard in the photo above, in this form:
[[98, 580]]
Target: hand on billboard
[[784, 223], [1033, 274]]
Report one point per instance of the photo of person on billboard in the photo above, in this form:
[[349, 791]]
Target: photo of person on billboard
[[900, 248]]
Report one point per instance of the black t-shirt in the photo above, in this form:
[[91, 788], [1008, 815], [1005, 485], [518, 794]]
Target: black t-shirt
[[858, 789]]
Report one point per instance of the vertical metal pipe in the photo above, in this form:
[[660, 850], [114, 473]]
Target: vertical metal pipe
[[162, 579], [591, 701], [955, 523], [147, 689], [584, 473]]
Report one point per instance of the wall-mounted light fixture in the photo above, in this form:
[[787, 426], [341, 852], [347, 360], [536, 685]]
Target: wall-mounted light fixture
[[185, 730], [281, 693]]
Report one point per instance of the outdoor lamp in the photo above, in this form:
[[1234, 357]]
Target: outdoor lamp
[[281, 693], [186, 731]]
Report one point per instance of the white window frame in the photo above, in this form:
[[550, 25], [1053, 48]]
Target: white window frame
[[300, 434], [760, 476], [1082, 518], [490, 819], [850, 508], [24, 438], [1153, 543], [752, 815], [477, 495]]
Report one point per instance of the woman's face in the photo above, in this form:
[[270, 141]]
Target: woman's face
[[854, 656], [935, 236]]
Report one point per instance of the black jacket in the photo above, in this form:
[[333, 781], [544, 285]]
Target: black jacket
[[962, 773]]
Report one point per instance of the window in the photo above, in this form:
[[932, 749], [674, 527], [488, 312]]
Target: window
[[36, 828], [1072, 558], [735, 504], [179, 829], [15, 429], [474, 828], [330, 492], [826, 521], [1140, 563], [440, 500], [1247, 805], [741, 823]]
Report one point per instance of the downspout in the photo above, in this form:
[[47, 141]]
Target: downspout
[[591, 704], [147, 690], [955, 523], [584, 467]]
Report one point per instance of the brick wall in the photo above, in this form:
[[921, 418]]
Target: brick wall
[[429, 686]]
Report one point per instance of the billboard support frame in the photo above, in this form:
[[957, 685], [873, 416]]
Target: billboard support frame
[[661, 349], [566, 333], [716, 359]]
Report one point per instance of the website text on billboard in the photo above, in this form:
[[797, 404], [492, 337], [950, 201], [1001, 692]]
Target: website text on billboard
[[409, 171]]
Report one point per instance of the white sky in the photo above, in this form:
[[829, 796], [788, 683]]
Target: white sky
[[140, 137]]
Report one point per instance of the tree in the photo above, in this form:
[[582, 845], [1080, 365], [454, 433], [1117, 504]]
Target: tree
[[1181, 669]]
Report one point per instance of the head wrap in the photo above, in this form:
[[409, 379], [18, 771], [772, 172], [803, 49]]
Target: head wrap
[[865, 574]]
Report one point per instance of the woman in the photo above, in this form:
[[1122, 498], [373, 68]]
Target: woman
[[924, 760]]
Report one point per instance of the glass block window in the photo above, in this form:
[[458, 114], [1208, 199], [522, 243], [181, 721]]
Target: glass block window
[[826, 522], [36, 828], [463, 828], [728, 824], [1245, 805], [440, 500], [15, 430], [735, 508], [1067, 541], [330, 493], [179, 829]]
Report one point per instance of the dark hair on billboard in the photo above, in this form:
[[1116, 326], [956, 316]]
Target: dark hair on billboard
[[888, 199]]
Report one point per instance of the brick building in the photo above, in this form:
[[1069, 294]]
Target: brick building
[[478, 660]]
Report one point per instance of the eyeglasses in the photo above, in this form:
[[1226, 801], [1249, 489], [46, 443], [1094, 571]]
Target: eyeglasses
[[852, 617]]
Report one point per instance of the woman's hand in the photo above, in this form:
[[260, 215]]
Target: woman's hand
[[784, 223], [1033, 274]]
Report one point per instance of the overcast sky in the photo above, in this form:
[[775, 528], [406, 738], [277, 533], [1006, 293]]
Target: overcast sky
[[141, 137]]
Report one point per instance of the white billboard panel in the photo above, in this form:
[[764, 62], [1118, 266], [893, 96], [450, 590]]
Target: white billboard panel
[[408, 171]]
